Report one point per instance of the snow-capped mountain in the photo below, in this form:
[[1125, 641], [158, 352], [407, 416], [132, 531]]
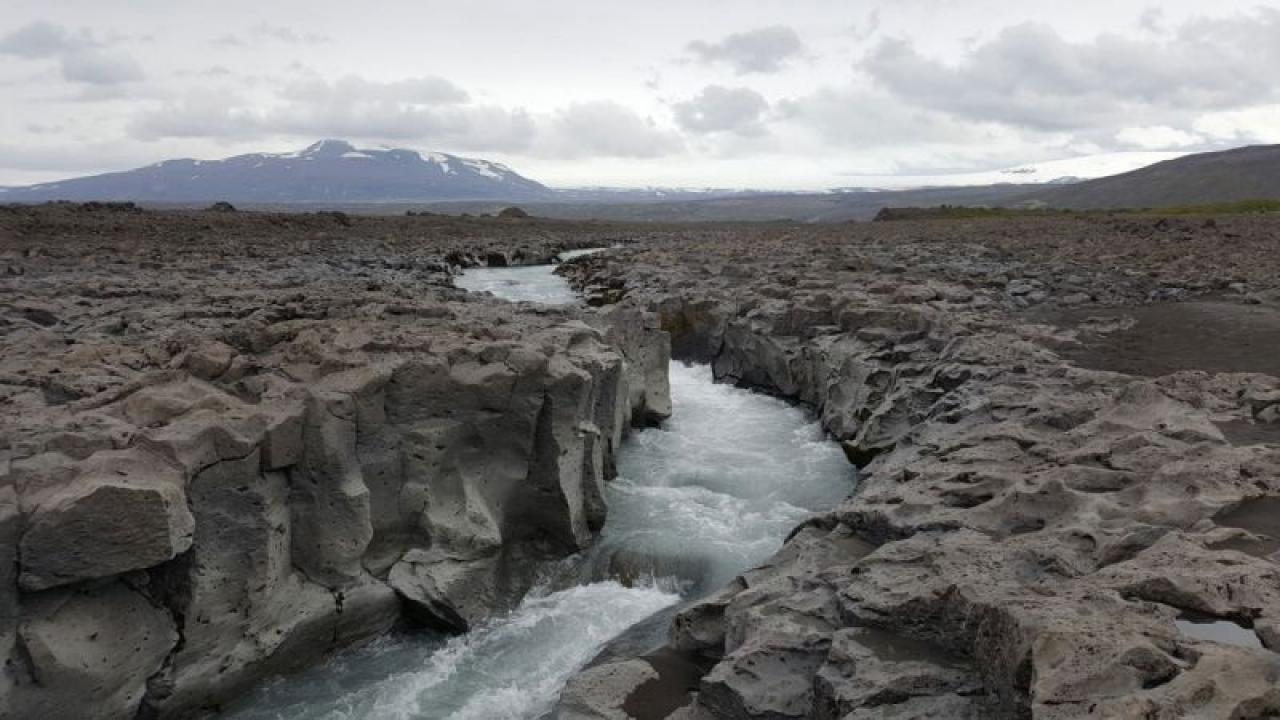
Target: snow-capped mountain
[[329, 171]]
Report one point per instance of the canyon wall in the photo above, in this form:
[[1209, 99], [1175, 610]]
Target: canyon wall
[[219, 468]]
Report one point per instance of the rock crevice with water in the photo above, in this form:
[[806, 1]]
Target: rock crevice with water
[[1035, 533], [227, 460]]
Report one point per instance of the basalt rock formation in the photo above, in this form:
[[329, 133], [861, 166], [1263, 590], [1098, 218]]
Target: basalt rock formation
[[1034, 534], [235, 443]]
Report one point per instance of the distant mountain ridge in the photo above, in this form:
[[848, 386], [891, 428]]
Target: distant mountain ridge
[[1245, 173], [328, 171], [335, 174]]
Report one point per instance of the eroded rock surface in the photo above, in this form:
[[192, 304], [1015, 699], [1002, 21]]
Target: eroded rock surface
[[1030, 523], [260, 438], [235, 443]]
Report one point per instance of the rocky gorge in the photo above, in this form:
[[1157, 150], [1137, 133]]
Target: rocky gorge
[[236, 443], [1035, 533]]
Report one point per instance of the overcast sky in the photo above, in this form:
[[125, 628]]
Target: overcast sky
[[727, 93]]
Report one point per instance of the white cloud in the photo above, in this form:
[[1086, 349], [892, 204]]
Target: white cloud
[[1250, 125], [1158, 137]]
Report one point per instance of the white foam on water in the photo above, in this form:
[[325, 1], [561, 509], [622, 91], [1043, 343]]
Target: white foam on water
[[515, 667], [530, 283], [723, 481], [580, 252], [534, 283], [512, 667]]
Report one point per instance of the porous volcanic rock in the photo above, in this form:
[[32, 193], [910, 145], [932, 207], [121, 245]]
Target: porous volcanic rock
[[289, 430], [1039, 515], [234, 443]]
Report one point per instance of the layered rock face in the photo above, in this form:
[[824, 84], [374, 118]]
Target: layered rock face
[[1033, 535], [231, 451]]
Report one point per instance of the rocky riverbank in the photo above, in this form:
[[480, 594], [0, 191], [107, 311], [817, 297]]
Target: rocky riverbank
[[1070, 482], [235, 443]]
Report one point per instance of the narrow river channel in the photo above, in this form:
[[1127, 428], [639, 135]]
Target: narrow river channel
[[711, 493]]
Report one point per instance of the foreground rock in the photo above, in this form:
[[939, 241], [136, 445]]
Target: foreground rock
[[227, 458], [1034, 534]]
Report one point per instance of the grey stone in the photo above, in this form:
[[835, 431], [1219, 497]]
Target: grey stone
[[125, 511], [94, 648]]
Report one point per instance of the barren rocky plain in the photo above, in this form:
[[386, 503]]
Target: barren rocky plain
[[234, 443]]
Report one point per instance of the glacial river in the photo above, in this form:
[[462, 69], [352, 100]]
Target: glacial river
[[711, 493]]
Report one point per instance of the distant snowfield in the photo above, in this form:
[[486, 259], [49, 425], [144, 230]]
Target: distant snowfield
[[1082, 168], [823, 180]]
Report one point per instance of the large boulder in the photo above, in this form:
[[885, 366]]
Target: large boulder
[[450, 592], [89, 653], [125, 511]]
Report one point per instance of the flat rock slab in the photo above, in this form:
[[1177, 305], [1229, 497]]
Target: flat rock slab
[[1154, 340]]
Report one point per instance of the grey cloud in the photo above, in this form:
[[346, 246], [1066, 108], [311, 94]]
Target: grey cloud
[[763, 50], [43, 129], [464, 128], [100, 67], [40, 39], [56, 154], [287, 35], [427, 110], [864, 31], [213, 115], [1152, 20], [1029, 75], [369, 111], [83, 58], [127, 91], [723, 109], [266, 32], [606, 129]]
